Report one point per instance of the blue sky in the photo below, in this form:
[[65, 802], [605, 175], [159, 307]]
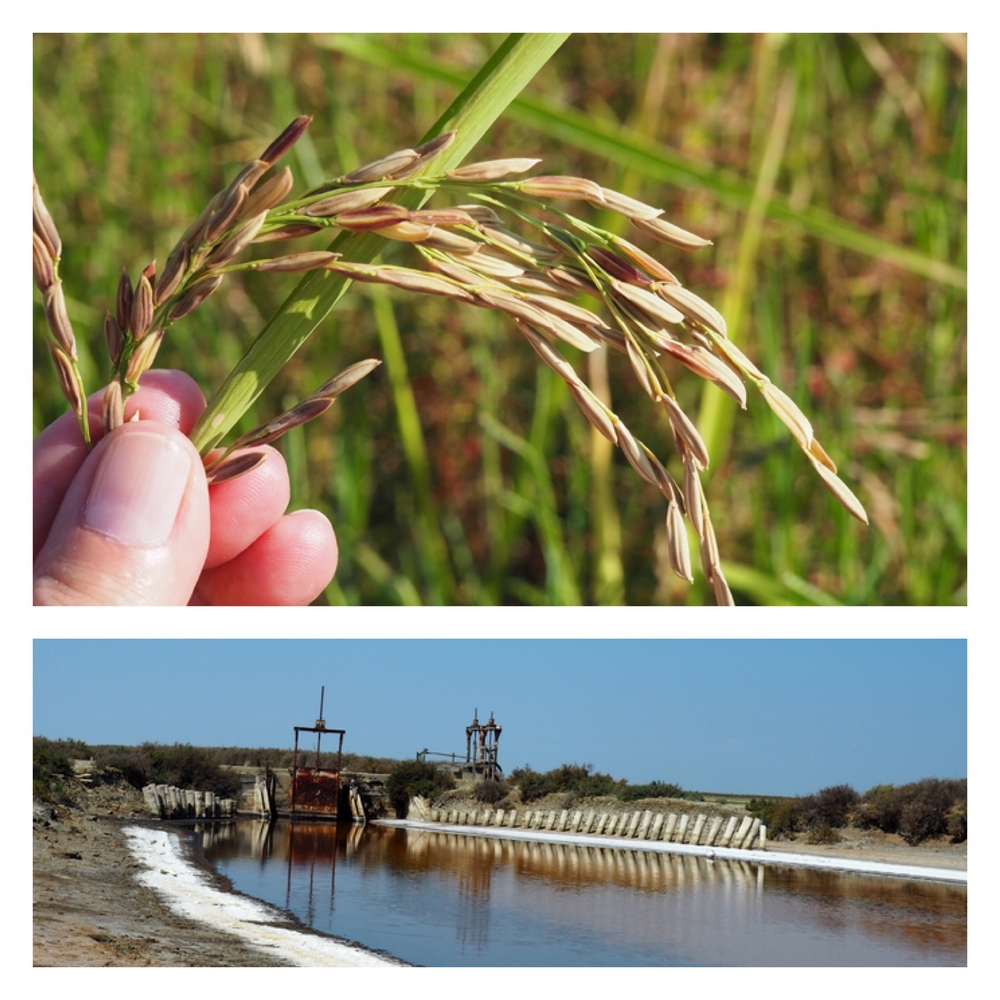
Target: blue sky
[[758, 716]]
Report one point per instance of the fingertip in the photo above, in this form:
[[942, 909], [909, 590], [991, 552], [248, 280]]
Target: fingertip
[[245, 507], [316, 534], [291, 564]]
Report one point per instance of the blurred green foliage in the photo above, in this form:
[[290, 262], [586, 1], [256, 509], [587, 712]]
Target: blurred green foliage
[[462, 473]]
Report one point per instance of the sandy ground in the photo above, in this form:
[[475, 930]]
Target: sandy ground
[[89, 908], [92, 909], [873, 845], [109, 892]]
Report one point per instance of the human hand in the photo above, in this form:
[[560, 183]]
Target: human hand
[[135, 522]]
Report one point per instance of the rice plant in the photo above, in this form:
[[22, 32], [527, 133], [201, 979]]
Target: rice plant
[[503, 242]]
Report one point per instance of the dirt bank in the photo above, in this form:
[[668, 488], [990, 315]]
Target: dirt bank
[[89, 910], [873, 845]]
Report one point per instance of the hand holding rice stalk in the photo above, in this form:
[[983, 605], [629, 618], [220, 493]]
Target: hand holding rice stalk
[[506, 247]]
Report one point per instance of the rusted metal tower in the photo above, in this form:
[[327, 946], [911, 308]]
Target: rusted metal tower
[[482, 744]]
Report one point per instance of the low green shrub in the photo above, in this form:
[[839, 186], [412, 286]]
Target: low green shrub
[[780, 816], [829, 807], [490, 792], [579, 781], [654, 790], [181, 765], [958, 824], [532, 785], [880, 808], [416, 777], [823, 834], [582, 781], [52, 761], [931, 807], [129, 762], [927, 807]]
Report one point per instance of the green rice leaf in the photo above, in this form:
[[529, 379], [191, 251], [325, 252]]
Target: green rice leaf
[[475, 109]]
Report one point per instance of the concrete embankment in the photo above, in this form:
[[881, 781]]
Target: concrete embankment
[[698, 850], [187, 891], [714, 830]]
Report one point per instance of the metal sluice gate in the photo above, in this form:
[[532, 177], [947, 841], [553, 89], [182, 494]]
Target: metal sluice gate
[[315, 790]]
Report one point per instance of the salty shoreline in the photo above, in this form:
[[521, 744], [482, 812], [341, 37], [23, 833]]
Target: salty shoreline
[[110, 892], [187, 891]]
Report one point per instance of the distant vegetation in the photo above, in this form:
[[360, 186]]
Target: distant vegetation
[[280, 757], [919, 811], [181, 764], [277, 758], [581, 781], [416, 777], [932, 807], [491, 793], [52, 761]]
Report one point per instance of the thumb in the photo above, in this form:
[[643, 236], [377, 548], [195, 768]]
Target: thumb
[[134, 525]]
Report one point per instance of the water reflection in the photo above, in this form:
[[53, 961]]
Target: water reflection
[[452, 899]]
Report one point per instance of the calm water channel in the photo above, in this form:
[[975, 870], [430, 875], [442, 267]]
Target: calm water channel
[[448, 900]]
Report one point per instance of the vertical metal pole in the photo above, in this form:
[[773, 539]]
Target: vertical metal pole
[[320, 722], [295, 767]]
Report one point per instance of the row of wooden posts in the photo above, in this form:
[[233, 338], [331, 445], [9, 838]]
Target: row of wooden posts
[[716, 831], [170, 802]]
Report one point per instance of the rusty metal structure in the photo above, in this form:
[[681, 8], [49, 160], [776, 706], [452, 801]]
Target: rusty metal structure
[[482, 744], [315, 791]]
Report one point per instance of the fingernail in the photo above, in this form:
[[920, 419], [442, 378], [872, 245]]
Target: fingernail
[[138, 489]]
